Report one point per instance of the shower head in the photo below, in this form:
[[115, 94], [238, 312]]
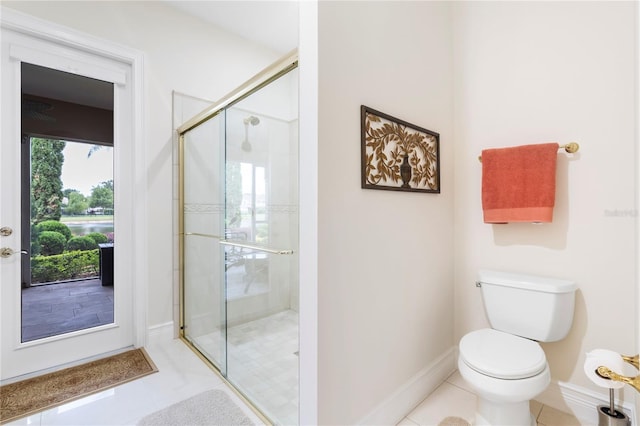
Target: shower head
[[252, 119]]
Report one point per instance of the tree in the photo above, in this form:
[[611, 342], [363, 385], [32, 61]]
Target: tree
[[77, 203], [68, 191], [108, 184], [96, 148], [102, 195], [46, 186]]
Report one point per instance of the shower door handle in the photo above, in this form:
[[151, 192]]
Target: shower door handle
[[254, 247], [199, 234]]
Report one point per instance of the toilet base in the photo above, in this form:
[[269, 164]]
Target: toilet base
[[492, 413]]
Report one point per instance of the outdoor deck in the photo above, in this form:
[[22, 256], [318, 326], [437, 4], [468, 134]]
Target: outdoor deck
[[53, 309]]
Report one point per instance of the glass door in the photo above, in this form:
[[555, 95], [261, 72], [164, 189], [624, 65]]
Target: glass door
[[239, 246], [203, 295], [262, 273], [56, 307]]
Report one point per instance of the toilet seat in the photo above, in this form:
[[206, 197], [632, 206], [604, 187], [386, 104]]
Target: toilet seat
[[502, 355]]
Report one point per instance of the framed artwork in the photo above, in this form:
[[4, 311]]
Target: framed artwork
[[397, 155]]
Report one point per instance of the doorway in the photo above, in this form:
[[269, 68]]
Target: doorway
[[27, 44]]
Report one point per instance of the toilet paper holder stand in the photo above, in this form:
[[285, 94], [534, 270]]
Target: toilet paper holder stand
[[609, 416], [606, 373]]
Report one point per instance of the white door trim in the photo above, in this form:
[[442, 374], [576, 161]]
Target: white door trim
[[637, 201], [308, 190], [52, 60], [64, 36]]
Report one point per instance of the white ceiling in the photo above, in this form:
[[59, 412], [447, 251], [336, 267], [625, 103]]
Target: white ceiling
[[271, 23]]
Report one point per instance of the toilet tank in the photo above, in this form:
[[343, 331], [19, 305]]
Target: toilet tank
[[534, 307]]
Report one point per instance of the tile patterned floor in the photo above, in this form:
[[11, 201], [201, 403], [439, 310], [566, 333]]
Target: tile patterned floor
[[455, 398], [49, 310], [262, 362]]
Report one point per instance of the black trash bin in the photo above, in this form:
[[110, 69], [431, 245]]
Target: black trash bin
[[106, 263]]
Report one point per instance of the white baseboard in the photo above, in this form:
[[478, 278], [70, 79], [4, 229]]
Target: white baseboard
[[581, 402], [161, 333], [414, 391]]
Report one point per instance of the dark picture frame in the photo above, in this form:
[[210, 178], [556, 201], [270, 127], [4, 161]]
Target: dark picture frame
[[397, 155]]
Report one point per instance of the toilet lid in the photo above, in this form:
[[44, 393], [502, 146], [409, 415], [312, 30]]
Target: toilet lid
[[502, 355]]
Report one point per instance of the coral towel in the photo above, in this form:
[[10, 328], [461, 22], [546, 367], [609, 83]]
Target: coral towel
[[519, 183]]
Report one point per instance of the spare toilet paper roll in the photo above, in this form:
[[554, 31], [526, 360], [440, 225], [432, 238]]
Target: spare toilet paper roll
[[603, 357]]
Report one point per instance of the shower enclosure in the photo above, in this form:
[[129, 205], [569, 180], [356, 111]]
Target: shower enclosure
[[238, 198]]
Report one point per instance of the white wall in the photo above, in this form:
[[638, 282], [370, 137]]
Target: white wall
[[308, 204], [385, 264], [528, 72], [181, 53]]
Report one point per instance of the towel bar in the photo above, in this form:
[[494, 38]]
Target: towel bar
[[571, 147]]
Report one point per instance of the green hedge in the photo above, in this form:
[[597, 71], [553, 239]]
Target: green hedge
[[81, 243], [51, 243], [98, 237], [55, 226], [65, 266]]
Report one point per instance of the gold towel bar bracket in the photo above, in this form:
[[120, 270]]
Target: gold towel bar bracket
[[571, 148]]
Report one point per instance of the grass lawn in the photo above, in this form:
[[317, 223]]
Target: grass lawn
[[87, 218]]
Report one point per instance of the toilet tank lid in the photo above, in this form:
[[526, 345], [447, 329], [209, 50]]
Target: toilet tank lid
[[528, 282]]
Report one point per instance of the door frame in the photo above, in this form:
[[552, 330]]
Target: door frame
[[69, 38], [637, 200]]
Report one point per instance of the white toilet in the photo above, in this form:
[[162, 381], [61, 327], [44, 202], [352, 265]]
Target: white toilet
[[505, 365]]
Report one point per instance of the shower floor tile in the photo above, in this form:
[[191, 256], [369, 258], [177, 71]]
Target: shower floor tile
[[262, 362]]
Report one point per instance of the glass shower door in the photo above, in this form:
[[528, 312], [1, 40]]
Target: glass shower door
[[239, 246], [204, 316], [261, 248]]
